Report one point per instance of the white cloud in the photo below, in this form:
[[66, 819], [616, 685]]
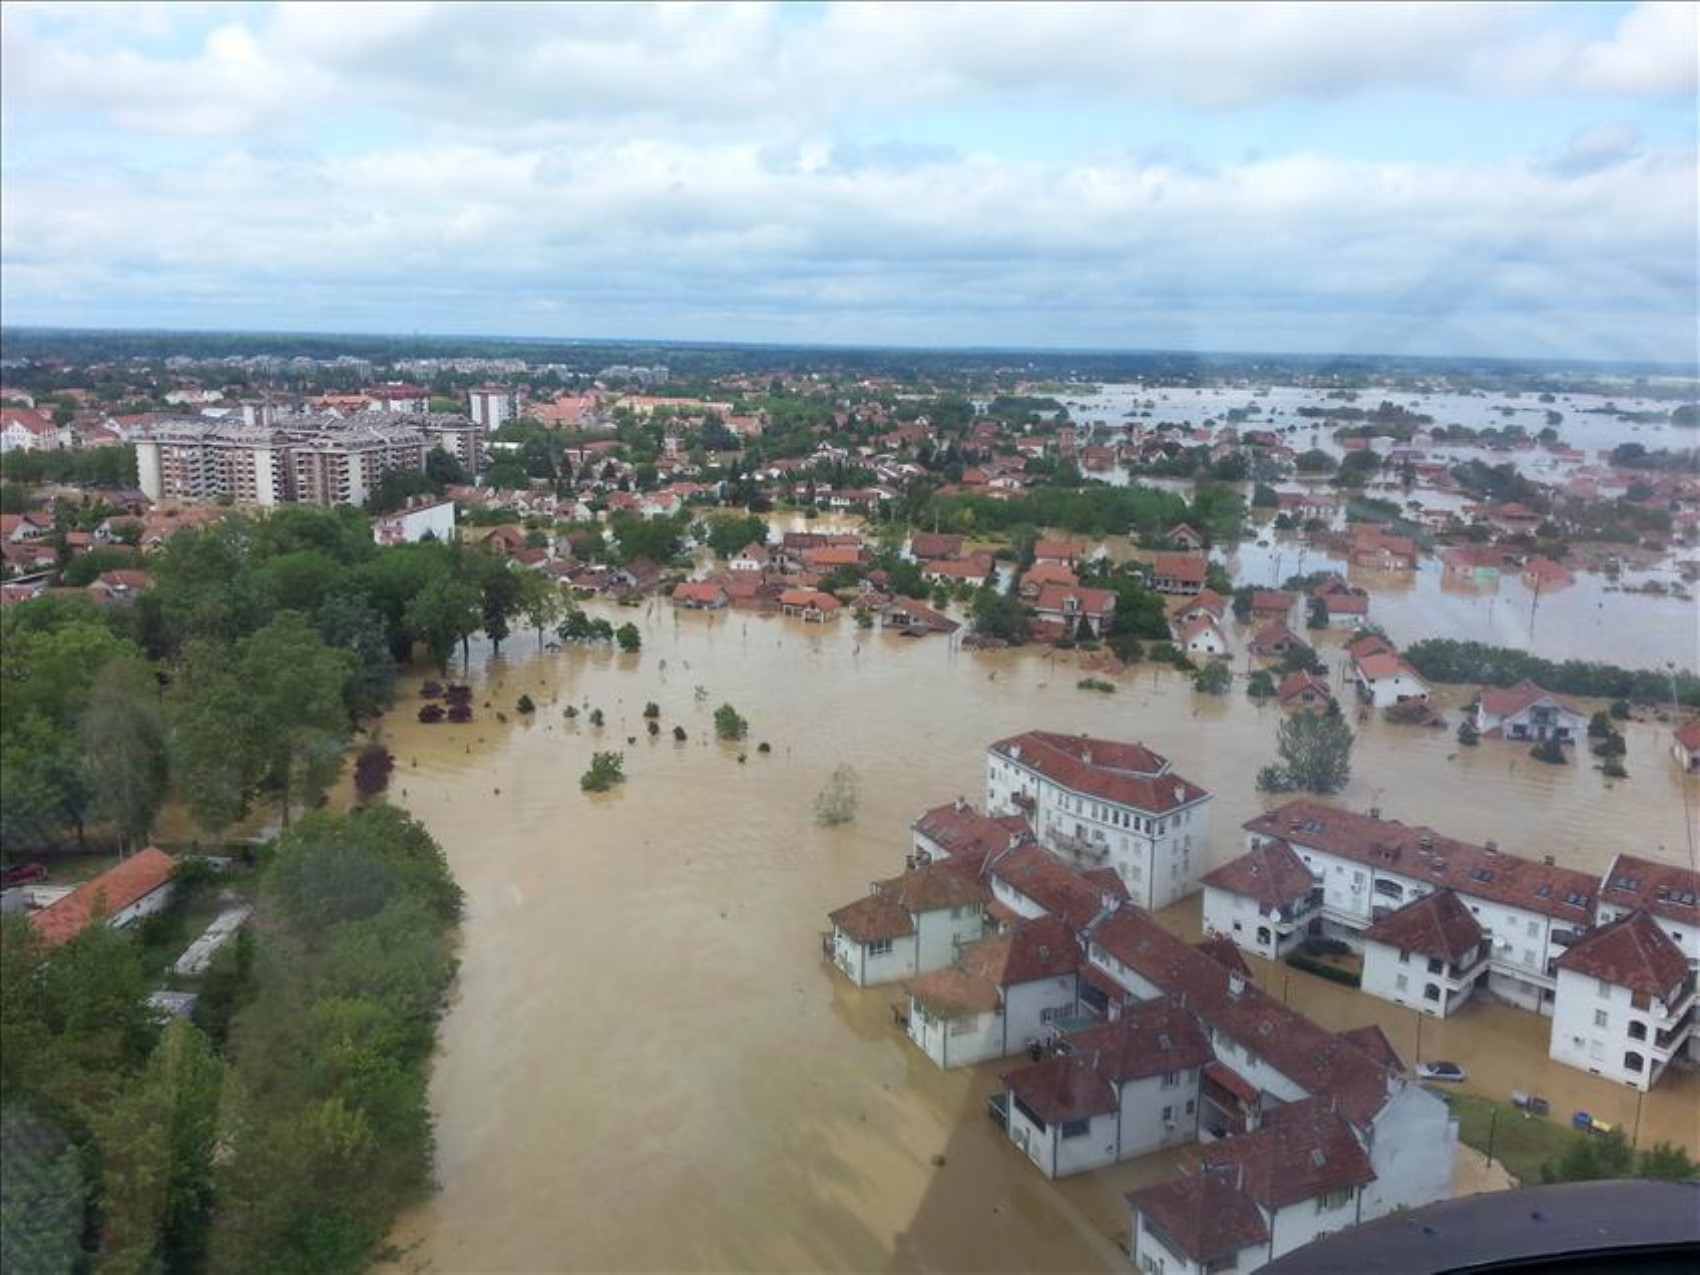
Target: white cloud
[[1656, 49]]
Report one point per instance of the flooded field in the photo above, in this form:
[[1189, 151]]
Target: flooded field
[[647, 1064]]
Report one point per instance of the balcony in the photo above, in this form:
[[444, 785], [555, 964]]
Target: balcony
[[1078, 850]]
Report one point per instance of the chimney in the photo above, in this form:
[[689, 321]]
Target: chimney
[[1547, 859], [1375, 812]]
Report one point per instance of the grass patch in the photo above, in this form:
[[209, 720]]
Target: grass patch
[[1521, 1143]]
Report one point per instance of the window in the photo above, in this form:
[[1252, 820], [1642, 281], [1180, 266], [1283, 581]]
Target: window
[[1172, 1078], [1435, 965], [962, 1026], [1191, 1106], [880, 947], [1076, 1128], [1337, 1198], [1601, 1018], [1051, 1013], [1404, 957], [1534, 928], [1168, 1115], [1633, 1061]]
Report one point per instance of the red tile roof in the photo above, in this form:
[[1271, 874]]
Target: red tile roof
[[1312, 1058], [1188, 567], [1059, 550], [1225, 952], [1128, 774], [1062, 1089], [1304, 1149], [1514, 699], [1274, 638], [958, 828], [926, 544], [1373, 1041], [873, 918], [1294, 685], [1272, 875], [1633, 953], [1203, 1216], [1437, 924], [1042, 948], [1688, 734], [1150, 1038], [107, 894], [1053, 885], [934, 887], [1271, 602], [1423, 854], [1661, 888]]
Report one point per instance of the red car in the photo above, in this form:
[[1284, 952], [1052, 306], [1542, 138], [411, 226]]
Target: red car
[[21, 873]]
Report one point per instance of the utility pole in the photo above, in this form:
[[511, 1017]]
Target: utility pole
[[1493, 1128]]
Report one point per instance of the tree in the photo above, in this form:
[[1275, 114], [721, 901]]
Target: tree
[[1468, 735], [728, 724], [838, 799], [1314, 461], [124, 749], [349, 621], [44, 791], [606, 770], [501, 594], [372, 767], [629, 638], [1314, 751], [156, 1148], [999, 615], [1603, 1155], [1668, 1161], [1260, 685], [1300, 658], [445, 612], [1213, 679], [541, 602], [728, 533]]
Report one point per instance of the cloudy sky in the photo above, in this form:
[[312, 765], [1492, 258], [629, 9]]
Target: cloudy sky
[[1428, 178]]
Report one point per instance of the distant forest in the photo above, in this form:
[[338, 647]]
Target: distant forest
[[698, 359]]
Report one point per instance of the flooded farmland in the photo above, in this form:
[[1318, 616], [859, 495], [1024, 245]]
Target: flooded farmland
[[648, 1066]]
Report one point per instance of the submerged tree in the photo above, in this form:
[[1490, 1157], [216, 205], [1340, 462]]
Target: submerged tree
[[728, 724], [1315, 752], [606, 770], [837, 801]]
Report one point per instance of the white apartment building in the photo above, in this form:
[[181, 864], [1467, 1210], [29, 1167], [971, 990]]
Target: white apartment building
[[492, 406], [1625, 1004], [1530, 912], [1100, 803], [408, 526], [1429, 955]]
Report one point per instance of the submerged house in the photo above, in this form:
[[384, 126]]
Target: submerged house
[[906, 926]]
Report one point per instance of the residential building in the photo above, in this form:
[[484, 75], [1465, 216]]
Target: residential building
[[1429, 955], [927, 546], [752, 557], [1100, 803], [1525, 712], [915, 618], [1303, 1171], [1625, 1004], [1266, 901], [700, 595], [1001, 996], [1274, 640], [492, 406], [1304, 692], [1057, 553], [907, 926], [1271, 604], [1671, 895], [1343, 606], [136, 887], [1383, 676], [957, 831], [1197, 1224], [810, 605], [1530, 912], [1177, 573], [426, 518], [28, 429], [1685, 745], [1075, 607], [1201, 638], [1122, 1089]]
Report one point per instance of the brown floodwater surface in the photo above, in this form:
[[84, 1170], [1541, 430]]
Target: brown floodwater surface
[[646, 1064]]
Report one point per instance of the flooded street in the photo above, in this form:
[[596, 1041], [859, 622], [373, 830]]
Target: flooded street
[[647, 1064]]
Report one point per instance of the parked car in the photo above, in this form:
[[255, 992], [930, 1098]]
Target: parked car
[[20, 873], [1440, 1070]]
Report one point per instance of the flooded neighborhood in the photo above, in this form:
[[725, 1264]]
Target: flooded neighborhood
[[643, 1025]]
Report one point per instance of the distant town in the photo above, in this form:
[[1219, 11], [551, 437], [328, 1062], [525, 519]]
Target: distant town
[[229, 578]]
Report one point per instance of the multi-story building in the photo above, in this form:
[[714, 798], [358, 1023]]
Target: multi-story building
[[313, 458], [492, 406], [1625, 1004], [1098, 803], [1367, 867]]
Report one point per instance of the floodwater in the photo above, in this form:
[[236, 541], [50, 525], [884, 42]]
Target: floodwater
[[648, 1066]]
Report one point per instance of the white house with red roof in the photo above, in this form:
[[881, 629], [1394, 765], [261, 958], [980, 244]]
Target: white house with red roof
[[1124, 1089], [1383, 676], [906, 926], [28, 429], [1666, 892], [1201, 638], [1100, 803], [753, 557], [1625, 1004], [1075, 605], [136, 887], [1527, 712], [1265, 901], [1429, 955], [1685, 745], [1000, 997]]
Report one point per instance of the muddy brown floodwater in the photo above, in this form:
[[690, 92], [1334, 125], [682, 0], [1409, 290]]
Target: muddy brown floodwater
[[647, 1066]]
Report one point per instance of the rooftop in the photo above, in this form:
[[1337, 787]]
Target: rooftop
[[1436, 925], [1634, 953], [1272, 874], [111, 892], [1127, 774]]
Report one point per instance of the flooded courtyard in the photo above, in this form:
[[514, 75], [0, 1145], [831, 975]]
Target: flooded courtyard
[[648, 1066]]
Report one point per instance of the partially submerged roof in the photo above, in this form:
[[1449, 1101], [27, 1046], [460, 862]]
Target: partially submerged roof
[[1204, 1216]]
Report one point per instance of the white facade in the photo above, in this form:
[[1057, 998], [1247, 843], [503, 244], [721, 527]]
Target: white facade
[[1389, 688], [1524, 945], [1024, 1017], [1206, 641], [1157, 855], [1546, 718], [408, 526], [932, 946], [1153, 1113], [1150, 1255], [492, 406], [1612, 1031], [1269, 932], [1424, 983], [1412, 1143]]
